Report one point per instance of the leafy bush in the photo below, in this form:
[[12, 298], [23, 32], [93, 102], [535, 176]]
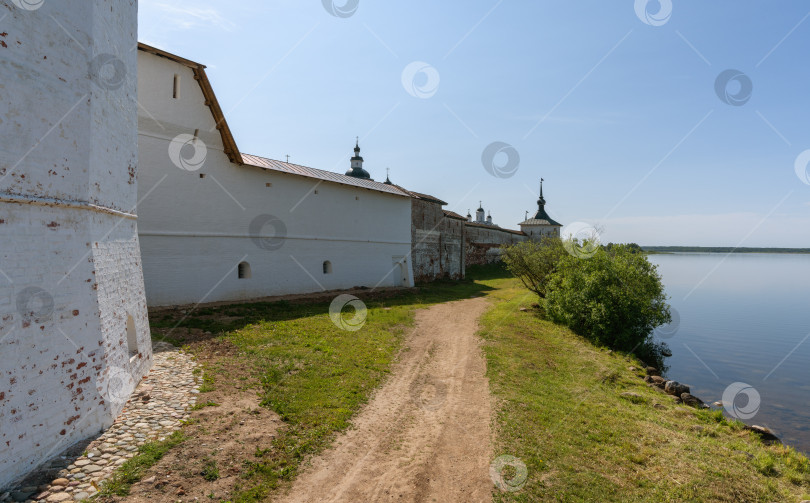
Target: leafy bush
[[614, 298], [533, 262]]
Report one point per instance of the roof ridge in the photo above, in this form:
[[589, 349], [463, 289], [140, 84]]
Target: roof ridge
[[319, 174]]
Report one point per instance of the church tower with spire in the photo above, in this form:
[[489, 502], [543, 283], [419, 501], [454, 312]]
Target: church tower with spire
[[541, 225], [356, 170]]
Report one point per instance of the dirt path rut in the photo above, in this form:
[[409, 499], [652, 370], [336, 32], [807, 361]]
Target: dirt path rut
[[425, 436]]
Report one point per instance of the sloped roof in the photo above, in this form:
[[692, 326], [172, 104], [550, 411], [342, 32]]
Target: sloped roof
[[231, 150], [540, 221], [495, 228], [427, 197], [541, 218], [453, 214], [319, 174], [418, 195]]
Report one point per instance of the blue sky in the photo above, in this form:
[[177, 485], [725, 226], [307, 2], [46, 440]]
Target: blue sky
[[621, 117]]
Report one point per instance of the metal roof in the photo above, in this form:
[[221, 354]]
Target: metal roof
[[541, 218], [427, 197], [539, 221], [494, 228], [418, 195], [319, 174]]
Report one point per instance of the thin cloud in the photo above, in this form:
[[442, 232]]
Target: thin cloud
[[187, 18]]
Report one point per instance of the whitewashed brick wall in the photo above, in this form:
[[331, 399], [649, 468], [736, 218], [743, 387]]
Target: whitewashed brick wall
[[70, 273]]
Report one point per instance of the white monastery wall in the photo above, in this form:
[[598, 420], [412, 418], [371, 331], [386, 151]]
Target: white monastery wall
[[197, 226], [74, 334]]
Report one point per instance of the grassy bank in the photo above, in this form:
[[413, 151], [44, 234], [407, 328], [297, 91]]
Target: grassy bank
[[561, 412]]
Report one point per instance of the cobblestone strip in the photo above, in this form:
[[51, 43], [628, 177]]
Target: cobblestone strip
[[153, 412]]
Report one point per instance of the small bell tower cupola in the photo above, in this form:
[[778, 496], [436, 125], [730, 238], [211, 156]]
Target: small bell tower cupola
[[480, 216], [356, 170]]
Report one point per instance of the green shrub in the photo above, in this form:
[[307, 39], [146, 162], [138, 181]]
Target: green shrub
[[533, 262], [613, 298]]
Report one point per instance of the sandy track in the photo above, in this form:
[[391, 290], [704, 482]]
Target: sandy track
[[425, 436]]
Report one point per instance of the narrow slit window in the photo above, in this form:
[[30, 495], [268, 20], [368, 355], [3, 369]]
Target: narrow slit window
[[176, 87], [327, 267], [244, 270]]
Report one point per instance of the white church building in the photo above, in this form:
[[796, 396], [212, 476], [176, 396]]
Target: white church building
[[216, 224]]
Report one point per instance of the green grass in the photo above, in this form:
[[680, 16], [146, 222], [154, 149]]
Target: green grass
[[203, 405], [313, 374], [134, 468], [207, 382], [210, 471], [560, 411]]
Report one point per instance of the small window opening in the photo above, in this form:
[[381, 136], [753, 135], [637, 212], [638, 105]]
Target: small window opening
[[327, 267], [132, 337], [268, 184], [202, 175], [176, 87], [244, 270], [316, 191], [356, 198]]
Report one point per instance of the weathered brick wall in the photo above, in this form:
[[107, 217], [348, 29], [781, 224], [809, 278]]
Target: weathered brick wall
[[436, 242], [72, 303], [483, 243]]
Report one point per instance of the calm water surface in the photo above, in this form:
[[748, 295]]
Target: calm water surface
[[744, 318]]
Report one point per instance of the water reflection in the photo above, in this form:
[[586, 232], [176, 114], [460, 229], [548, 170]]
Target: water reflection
[[744, 318]]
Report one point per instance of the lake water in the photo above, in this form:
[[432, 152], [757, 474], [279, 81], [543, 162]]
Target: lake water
[[743, 318]]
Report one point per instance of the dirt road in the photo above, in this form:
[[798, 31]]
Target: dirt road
[[425, 436]]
